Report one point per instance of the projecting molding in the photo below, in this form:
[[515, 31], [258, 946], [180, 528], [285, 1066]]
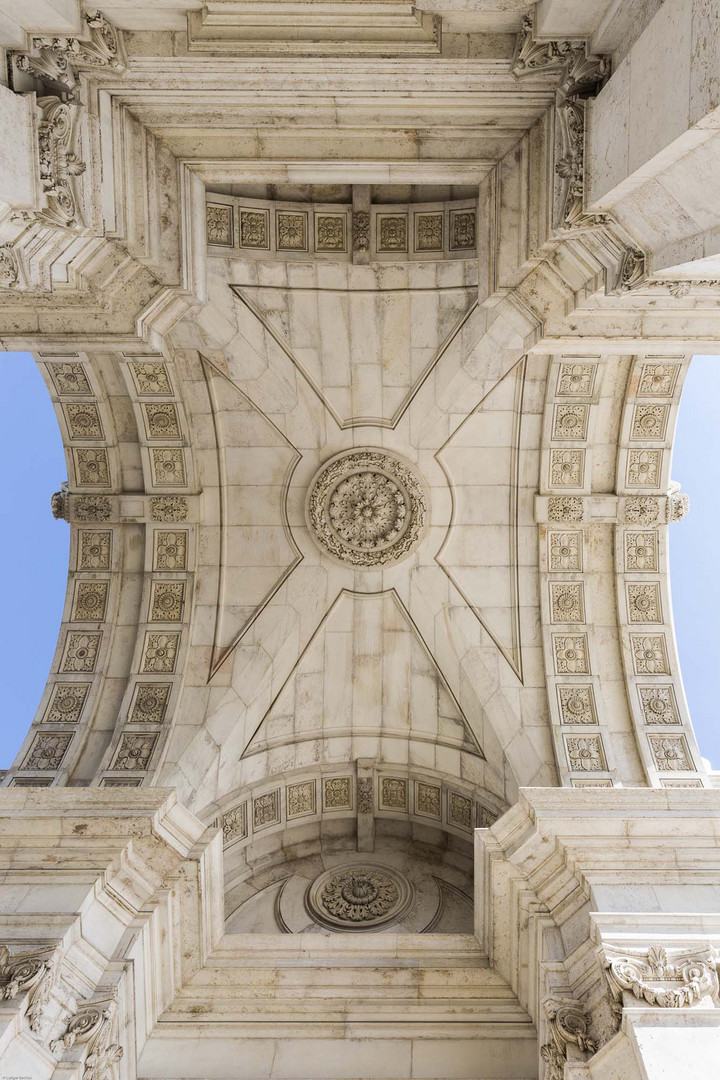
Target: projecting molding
[[336, 28]]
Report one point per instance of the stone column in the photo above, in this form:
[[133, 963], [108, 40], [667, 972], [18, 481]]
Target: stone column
[[601, 910], [93, 889], [653, 135], [661, 971]]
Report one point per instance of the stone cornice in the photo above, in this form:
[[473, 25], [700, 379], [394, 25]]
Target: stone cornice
[[55, 61], [548, 853], [329, 28], [66, 973]]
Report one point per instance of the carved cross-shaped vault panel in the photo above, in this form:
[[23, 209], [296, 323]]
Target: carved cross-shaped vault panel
[[320, 651]]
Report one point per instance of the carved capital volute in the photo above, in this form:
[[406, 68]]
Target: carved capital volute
[[567, 1030], [534, 57], [9, 268], [580, 75], [92, 1033], [666, 979], [55, 61], [34, 973], [58, 162], [633, 270]]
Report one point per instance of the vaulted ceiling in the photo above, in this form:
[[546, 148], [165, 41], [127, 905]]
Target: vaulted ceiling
[[368, 419]]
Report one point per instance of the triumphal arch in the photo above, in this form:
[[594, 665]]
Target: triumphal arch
[[364, 752]]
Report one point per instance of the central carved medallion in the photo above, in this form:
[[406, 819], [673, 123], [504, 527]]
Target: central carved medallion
[[367, 507], [358, 897]]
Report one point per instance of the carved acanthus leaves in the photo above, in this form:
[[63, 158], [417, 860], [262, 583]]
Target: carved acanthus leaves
[[33, 973], [361, 230], [54, 60], [678, 505], [657, 978], [532, 57], [9, 268], [95, 1026], [58, 163], [679, 288], [567, 1027], [570, 168], [580, 76], [682, 288], [632, 270], [583, 78], [60, 503], [92, 1025]]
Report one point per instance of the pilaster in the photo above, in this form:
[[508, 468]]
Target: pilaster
[[96, 897], [600, 909]]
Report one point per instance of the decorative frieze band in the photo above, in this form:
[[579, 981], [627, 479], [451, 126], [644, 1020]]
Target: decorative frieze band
[[641, 510], [268, 229], [378, 792], [119, 509]]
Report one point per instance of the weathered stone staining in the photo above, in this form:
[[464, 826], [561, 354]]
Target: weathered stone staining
[[366, 327]]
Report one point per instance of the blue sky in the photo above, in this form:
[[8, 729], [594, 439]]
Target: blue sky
[[34, 547], [694, 544]]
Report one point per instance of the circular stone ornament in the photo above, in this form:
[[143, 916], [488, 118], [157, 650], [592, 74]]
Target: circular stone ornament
[[367, 507], [358, 897]]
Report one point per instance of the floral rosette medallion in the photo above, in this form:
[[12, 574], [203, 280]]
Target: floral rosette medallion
[[359, 897], [367, 507]]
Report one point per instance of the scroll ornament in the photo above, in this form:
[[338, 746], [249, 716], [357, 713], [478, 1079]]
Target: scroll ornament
[[567, 1027], [54, 60], [94, 1025], [582, 75], [536, 57], [657, 979], [9, 270], [33, 973], [633, 270], [58, 163]]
